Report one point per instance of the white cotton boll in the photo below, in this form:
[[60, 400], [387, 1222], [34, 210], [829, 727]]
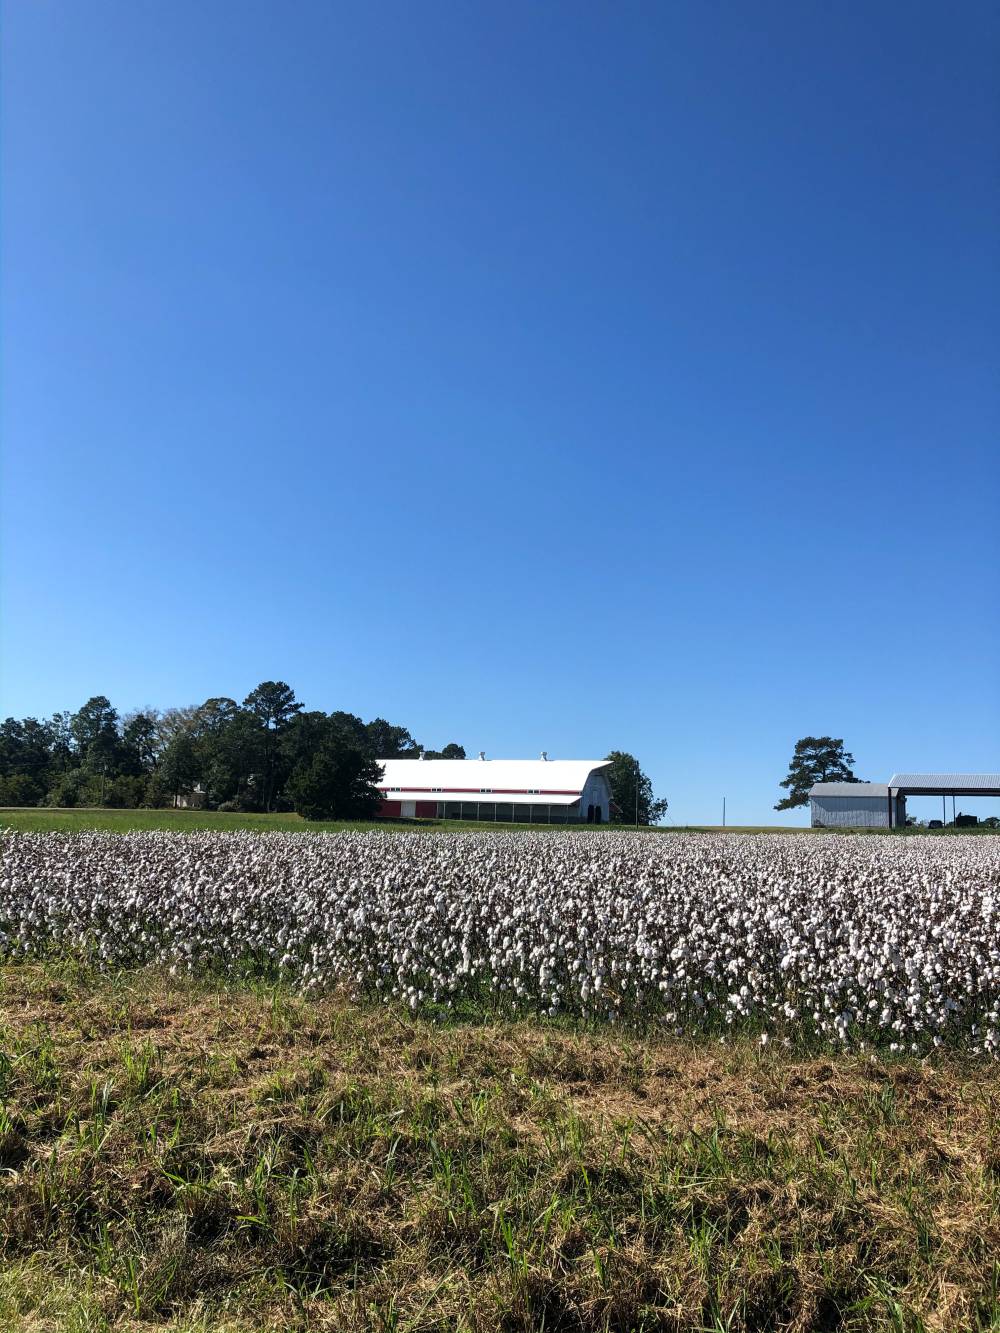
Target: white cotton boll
[[899, 937]]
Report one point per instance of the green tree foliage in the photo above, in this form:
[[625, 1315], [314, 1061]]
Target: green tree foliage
[[178, 769], [173, 720], [337, 782], [388, 742], [76, 786], [213, 716], [139, 745], [19, 789], [352, 731], [60, 730], [242, 755], [232, 762], [815, 759], [25, 750], [632, 791], [273, 705], [95, 732], [306, 735]]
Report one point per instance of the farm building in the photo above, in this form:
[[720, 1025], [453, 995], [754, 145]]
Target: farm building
[[529, 791], [856, 805], [944, 785], [878, 805]]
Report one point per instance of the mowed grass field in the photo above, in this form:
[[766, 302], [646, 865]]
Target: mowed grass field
[[45, 820], [179, 1155]]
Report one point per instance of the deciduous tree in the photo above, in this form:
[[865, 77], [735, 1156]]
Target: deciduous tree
[[632, 791]]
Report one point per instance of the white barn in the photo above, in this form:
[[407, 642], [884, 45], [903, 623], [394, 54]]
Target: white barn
[[528, 791], [856, 805]]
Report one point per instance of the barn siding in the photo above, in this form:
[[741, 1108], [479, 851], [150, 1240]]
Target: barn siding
[[849, 811], [596, 791]]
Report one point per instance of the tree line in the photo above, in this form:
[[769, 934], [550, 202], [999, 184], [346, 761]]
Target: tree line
[[265, 754]]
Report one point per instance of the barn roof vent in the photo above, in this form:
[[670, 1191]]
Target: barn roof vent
[[482, 754], [545, 755], [421, 755]]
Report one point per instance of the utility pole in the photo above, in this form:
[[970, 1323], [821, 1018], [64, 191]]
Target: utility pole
[[637, 793], [723, 812]]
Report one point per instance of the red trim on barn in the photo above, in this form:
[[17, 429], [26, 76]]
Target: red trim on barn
[[394, 810]]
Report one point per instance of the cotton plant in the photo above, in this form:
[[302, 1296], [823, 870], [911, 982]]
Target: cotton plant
[[894, 942]]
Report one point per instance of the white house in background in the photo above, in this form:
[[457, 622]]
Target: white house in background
[[528, 791], [191, 800]]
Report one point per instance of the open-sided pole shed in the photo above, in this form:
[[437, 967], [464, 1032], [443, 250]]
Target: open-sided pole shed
[[943, 785]]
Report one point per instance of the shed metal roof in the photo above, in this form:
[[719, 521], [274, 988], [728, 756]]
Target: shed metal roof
[[507, 781], [946, 784], [849, 789]]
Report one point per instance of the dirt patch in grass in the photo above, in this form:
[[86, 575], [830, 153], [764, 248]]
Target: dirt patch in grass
[[174, 1155]]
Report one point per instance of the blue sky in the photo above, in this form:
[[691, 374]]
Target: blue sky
[[564, 376]]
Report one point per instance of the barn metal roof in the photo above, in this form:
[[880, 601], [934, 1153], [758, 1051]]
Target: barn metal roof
[[947, 784], [507, 781], [849, 789]]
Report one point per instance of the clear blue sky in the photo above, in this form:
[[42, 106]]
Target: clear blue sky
[[565, 376]]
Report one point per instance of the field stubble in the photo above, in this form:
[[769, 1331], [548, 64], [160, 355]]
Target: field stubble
[[185, 1155]]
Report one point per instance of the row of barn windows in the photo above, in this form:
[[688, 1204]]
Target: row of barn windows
[[505, 812]]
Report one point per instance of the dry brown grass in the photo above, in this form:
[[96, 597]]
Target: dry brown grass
[[174, 1155]]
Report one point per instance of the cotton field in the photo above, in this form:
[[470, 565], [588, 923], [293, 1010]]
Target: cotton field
[[858, 941]]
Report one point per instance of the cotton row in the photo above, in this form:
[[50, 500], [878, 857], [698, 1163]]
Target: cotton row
[[894, 941]]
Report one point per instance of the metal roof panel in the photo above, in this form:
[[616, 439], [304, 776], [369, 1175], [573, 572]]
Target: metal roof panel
[[945, 784], [849, 789], [507, 781]]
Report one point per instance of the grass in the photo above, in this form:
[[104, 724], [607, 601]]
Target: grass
[[35, 819], [189, 1157], [47, 820]]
